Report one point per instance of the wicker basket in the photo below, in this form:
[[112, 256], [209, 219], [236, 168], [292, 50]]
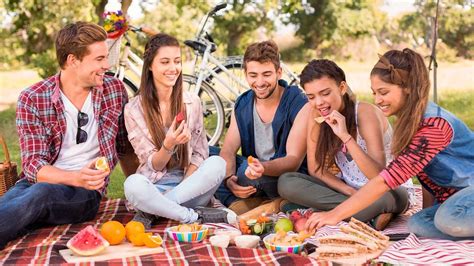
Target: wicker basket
[[114, 51], [8, 173]]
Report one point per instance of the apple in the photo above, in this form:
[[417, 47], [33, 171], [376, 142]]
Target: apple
[[295, 215], [300, 224]]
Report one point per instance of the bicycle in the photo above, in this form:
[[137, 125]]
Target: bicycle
[[222, 76], [218, 82]]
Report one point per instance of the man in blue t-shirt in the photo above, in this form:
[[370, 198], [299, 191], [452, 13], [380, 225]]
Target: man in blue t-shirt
[[268, 124]]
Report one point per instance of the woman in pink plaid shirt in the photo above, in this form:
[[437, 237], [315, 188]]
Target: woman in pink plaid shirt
[[175, 178]]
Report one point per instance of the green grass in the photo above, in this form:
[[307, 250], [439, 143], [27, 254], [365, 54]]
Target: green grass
[[461, 103]]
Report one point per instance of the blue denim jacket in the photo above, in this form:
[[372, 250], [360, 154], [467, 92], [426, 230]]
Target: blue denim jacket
[[453, 166], [292, 100]]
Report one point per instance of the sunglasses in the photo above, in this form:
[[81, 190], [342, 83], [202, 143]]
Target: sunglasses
[[82, 120]]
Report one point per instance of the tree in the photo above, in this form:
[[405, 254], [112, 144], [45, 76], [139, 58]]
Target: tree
[[455, 24], [236, 28], [35, 24]]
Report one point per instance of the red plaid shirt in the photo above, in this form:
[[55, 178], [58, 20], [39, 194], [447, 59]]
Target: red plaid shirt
[[41, 123]]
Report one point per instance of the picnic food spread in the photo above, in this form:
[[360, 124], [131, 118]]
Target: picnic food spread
[[259, 226], [87, 242], [356, 239]]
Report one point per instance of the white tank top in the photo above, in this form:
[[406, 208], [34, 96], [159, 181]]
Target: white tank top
[[350, 172]]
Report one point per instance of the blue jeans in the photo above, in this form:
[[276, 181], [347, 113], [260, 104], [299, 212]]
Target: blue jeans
[[29, 206], [175, 200], [453, 219], [267, 186]]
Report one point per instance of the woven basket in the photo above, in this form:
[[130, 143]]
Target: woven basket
[[8, 173], [114, 51]]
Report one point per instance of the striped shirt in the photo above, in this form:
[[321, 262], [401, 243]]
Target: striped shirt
[[434, 135], [41, 123]]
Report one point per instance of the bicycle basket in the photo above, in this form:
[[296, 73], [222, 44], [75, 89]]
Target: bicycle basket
[[114, 51]]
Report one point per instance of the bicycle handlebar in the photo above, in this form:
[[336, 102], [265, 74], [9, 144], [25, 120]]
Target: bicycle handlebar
[[148, 31], [217, 8]]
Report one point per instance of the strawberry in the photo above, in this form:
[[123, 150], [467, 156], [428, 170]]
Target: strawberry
[[180, 117]]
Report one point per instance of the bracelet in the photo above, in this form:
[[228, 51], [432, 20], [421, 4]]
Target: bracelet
[[169, 151], [344, 148]]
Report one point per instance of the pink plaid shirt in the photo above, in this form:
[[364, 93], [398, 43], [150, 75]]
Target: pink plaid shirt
[[41, 123], [140, 138]]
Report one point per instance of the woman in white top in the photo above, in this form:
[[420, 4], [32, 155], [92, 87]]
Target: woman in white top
[[354, 136]]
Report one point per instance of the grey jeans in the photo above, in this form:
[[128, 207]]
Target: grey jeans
[[314, 193]]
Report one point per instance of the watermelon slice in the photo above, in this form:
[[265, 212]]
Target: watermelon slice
[[87, 242], [180, 117]]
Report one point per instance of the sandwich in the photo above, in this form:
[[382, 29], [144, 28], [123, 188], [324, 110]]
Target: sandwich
[[356, 239]]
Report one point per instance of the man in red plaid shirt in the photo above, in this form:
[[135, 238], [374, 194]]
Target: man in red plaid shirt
[[65, 123]]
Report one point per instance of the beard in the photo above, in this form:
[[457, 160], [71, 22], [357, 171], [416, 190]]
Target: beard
[[272, 90]]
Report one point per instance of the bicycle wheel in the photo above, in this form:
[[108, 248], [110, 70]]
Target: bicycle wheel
[[214, 116], [235, 66], [131, 88]]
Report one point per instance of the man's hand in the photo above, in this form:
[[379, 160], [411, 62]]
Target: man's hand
[[254, 169], [90, 178], [320, 219], [238, 190]]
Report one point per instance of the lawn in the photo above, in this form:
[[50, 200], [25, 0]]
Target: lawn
[[459, 102]]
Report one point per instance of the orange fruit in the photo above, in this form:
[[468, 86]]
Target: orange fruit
[[113, 232], [250, 160], [134, 228], [152, 241], [102, 164], [138, 239]]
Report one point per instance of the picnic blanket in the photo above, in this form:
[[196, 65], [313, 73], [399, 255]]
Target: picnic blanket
[[42, 246]]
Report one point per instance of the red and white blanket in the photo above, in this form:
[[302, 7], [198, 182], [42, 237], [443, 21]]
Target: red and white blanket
[[42, 246]]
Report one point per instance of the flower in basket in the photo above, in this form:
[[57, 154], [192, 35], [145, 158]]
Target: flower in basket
[[115, 23]]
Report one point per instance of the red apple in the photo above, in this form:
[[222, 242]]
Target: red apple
[[295, 215], [300, 224]]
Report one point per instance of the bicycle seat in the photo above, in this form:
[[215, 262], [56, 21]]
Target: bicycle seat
[[199, 46]]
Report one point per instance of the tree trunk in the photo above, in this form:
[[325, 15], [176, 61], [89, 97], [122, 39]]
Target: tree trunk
[[233, 43], [99, 10], [125, 5]]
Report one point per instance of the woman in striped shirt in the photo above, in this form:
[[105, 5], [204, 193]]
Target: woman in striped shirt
[[428, 142]]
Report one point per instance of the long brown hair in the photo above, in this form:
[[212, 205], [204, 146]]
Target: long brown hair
[[328, 143], [416, 83], [151, 102]]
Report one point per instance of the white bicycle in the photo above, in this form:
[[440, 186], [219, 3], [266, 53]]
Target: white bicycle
[[217, 81]]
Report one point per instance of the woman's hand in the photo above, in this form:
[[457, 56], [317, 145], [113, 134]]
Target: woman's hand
[[337, 122], [180, 135], [254, 169], [320, 219]]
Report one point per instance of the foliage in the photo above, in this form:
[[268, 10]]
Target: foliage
[[35, 23], [455, 25], [239, 26]]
